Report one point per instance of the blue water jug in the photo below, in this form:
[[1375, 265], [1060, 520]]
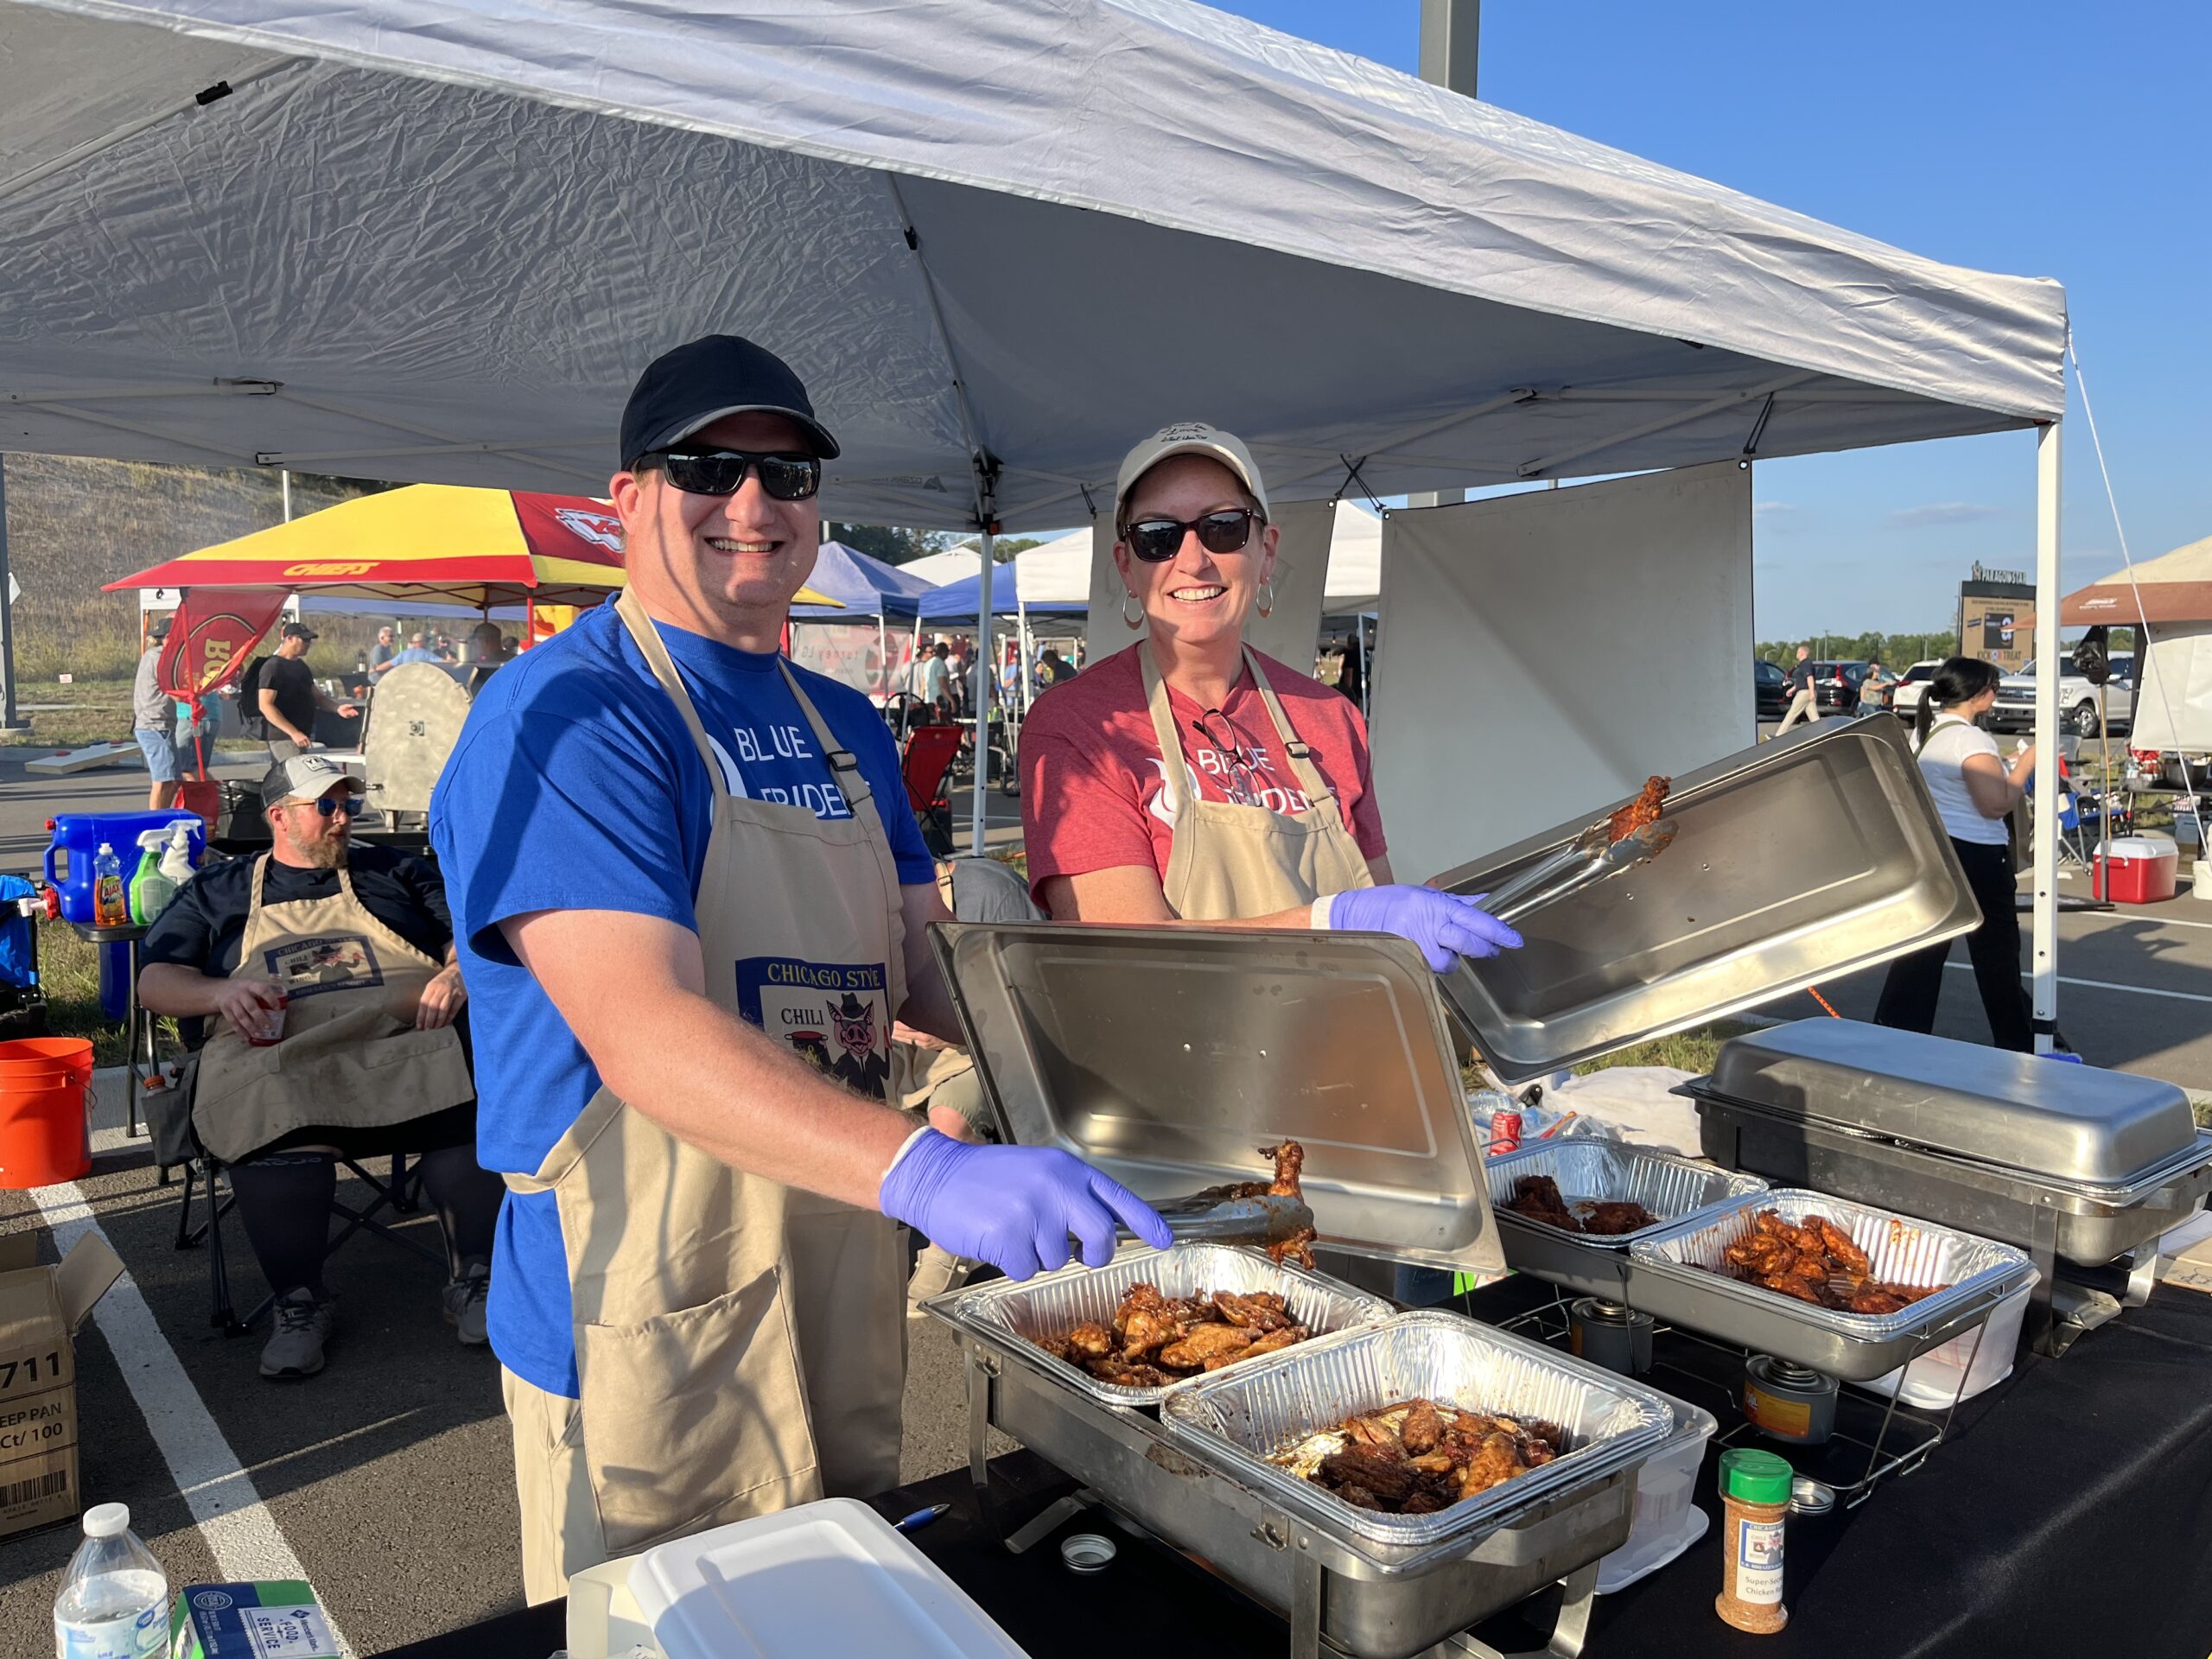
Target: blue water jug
[[77, 838]]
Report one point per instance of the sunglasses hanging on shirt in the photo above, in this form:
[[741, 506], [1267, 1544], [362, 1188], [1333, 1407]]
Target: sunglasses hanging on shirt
[[721, 471], [1243, 787], [1158, 540]]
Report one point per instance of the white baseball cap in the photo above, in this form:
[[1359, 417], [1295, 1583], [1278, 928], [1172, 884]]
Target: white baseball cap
[[1191, 438], [302, 777]]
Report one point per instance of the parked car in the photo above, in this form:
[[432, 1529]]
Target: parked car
[[1911, 686], [1769, 690], [1835, 687], [2077, 700]]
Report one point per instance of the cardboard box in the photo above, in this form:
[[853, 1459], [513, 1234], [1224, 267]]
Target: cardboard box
[[270, 1618], [41, 1309]]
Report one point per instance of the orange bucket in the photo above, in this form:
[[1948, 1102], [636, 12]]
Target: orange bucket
[[45, 1137], [26, 1058]]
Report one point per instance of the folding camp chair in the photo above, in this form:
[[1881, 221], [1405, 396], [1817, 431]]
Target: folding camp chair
[[174, 1143], [926, 766]]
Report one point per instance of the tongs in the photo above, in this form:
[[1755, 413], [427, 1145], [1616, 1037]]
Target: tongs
[[1268, 1219], [1589, 858]]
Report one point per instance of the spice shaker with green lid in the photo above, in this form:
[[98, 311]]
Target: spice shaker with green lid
[[1755, 1496]]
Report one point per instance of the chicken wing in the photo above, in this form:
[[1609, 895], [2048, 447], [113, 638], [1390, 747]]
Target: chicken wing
[[1643, 810], [1090, 1341], [1423, 1428], [1262, 1310], [1201, 1343]]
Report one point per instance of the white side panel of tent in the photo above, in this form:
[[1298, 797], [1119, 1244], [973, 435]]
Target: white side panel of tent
[[2173, 690], [1531, 687], [1288, 633], [1355, 562]]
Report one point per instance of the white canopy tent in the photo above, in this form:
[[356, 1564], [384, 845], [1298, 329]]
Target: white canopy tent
[[393, 239], [942, 569]]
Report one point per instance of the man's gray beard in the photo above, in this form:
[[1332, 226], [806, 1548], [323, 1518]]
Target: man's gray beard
[[326, 855]]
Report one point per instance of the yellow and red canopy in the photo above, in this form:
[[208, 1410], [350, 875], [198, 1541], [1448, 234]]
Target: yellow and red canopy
[[479, 548]]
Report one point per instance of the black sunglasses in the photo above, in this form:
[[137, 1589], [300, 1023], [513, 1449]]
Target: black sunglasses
[[721, 471], [331, 805], [1158, 540]]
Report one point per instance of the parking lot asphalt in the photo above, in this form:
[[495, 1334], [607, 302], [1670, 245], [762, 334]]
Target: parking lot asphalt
[[387, 1480]]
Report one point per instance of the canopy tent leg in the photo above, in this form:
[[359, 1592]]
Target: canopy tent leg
[[2044, 955], [983, 669], [882, 655]]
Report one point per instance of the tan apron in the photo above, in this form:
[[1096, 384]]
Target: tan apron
[[1226, 861], [740, 1345], [351, 1056]]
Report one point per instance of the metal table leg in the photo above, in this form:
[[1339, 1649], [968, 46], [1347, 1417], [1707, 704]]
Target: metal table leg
[[1569, 1632], [133, 1016]]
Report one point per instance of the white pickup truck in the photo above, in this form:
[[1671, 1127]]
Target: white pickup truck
[[2077, 700]]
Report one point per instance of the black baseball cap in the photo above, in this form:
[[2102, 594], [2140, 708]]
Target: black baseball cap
[[696, 385], [299, 631]]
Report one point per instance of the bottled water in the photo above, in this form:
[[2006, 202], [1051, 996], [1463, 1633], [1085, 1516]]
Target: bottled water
[[114, 1600]]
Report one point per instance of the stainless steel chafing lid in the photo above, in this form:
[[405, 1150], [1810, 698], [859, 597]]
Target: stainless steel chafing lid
[[1793, 862], [2071, 1123], [1168, 1056]]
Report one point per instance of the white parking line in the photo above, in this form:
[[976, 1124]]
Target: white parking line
[[2103, 985], [241, 1534]]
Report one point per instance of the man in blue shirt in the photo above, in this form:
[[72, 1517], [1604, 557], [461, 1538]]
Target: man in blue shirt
[[691, 901]]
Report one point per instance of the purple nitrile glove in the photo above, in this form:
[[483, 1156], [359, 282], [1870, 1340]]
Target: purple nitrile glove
[[1447, 925], [1012, 1207]]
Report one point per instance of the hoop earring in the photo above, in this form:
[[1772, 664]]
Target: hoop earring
[[1127, 600], [1267, 606]]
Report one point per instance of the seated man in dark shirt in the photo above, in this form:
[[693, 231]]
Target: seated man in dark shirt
[[344, 954]]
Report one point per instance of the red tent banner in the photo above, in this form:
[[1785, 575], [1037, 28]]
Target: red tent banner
[[210, 637]]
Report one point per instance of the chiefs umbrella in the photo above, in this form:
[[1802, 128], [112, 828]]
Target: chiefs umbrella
[[478, 547]]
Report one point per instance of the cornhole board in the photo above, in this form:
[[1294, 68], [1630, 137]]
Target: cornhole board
[[88, 759]]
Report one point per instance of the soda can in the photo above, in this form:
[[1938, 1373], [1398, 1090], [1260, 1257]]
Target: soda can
[[1504, 1132]]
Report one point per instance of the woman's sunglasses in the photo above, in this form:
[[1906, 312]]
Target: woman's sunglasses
[[1158, 540], [721, 471]]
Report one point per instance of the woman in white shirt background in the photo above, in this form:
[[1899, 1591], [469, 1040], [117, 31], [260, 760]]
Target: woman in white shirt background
[[1975, 788]]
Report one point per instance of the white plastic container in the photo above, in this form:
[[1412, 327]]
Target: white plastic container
[[826, 1578], [1932, 1381], [115, 1599], [1667, 1522]]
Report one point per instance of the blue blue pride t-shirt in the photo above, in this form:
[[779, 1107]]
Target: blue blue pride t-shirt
[[576, 786]]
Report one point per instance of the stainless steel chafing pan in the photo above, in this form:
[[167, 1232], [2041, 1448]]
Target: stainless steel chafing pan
[[1674, 1275], [1673, 1188], [1792, 861]]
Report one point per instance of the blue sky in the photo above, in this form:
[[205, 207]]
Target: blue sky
[[2039, 139]]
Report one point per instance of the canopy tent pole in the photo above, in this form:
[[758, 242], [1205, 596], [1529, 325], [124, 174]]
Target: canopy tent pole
[[984, 671], [2044, 956], [883, 654], [8, 720]]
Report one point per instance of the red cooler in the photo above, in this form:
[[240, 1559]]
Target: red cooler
[[2139, 871]]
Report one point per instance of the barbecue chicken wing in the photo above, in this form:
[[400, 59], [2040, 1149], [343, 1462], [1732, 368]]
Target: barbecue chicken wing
[[1157, 1339], [1643, 810], [1814, 1261]]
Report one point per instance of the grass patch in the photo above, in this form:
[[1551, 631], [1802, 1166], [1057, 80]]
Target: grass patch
[[69, 969], [1693, 1050]]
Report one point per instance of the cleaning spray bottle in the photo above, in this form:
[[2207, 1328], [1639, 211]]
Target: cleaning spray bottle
[[151, 885]]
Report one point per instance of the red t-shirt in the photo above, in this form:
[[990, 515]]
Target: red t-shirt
[[1094, 793]]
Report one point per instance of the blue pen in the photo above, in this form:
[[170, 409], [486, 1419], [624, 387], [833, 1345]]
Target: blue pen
[[920, 1518]]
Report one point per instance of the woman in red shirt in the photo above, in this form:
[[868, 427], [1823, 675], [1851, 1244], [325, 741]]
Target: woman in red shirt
[[1192, 779]]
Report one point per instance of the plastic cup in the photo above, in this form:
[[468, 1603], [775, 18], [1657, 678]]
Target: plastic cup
[[272, 1023]]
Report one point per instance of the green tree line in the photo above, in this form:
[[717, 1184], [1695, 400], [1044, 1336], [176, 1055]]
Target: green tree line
[[1895, 652]]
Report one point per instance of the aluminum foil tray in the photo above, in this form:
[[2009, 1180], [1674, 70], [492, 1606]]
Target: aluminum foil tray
[[1007, 1314], [1671, 1187], [1236, 1418], [1669, 1276]]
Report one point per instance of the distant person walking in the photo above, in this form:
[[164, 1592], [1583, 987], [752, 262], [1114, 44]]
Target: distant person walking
[[1804, 702], [289, 697], [153, 721], [1974, 791], [1875, 689]]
